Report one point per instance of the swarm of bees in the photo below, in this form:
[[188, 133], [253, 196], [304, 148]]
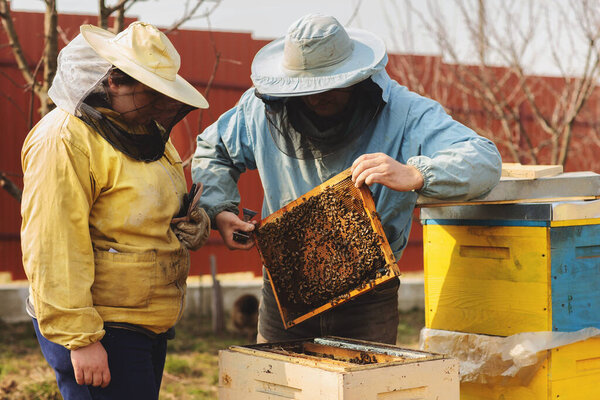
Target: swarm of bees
[[321, 249]]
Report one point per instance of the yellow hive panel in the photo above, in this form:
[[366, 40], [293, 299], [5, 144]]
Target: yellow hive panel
[[488, 280], [576, 222], [571, 372], [575, 371]]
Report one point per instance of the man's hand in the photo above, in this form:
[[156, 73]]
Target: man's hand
[[381, 168], [90, 364], [193, 233], [227, 222]]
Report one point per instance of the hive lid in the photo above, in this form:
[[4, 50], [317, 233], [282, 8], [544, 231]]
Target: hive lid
[[538, 214], [571, 186]]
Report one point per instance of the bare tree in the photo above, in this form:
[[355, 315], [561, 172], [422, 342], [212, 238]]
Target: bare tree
[[47, 59], [46, 65], [489, 82], [105, 11]]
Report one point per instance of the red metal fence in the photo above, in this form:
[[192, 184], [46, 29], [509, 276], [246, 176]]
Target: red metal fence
[[221, 58], [197, 49]]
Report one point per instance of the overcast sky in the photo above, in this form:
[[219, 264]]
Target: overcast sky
[[269, 19], [265, 18]]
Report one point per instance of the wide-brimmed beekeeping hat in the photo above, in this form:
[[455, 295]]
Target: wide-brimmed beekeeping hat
[[147, 55], [317, 54]]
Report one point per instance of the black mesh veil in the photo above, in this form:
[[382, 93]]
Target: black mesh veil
[[147, 147], [300, 133]]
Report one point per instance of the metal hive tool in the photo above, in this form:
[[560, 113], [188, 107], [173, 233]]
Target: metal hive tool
[[324, 248]]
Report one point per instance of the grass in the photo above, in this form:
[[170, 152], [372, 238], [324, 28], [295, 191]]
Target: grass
[[191, 369], [24, 373]]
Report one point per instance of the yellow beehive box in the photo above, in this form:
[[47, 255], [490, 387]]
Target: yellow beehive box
[[334, 368], [487, 280], [570, 372], [507, 269]]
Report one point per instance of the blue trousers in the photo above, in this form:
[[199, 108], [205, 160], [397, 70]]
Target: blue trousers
[[135, 361]]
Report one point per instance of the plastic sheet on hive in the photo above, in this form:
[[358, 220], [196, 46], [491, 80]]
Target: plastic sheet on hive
[[324, 248], [499, 360]]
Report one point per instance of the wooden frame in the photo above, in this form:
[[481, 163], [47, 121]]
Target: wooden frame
[[369, 205]]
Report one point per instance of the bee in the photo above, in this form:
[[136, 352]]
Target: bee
[[322, 248]]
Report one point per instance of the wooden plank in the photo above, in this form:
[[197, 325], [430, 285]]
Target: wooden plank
[[430, 380], [515, 170], [575, 222], [579, 388], [576, 360], [491, 307], [247, 377], [442, 203], [290, 357], [571, 372], [569, 185], [218, 320], [453, 251]]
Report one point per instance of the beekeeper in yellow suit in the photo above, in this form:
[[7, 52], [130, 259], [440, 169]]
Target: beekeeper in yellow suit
[[102, 182]]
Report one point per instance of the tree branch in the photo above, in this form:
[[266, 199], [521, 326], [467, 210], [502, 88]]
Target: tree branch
[[13, 39], [32, 94], [50, 57], [10, 187], [354, 13], [190, 14], [106, 11], [14, 103]]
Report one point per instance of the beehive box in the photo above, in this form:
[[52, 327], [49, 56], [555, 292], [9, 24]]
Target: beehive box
[[324, 248], [570, 372], [506, 269], [334, 368]]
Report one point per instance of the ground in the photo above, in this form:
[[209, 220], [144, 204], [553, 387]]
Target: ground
[[191, 369]]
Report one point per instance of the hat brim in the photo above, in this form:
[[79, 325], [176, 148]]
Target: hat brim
[[178, 89], [271, 78]]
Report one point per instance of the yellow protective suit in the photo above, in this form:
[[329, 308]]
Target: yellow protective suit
[[96, 237]]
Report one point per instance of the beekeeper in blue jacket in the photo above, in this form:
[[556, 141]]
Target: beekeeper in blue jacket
[[322, 103]]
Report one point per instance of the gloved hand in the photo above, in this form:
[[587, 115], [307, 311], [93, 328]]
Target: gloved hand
[[194, 232]]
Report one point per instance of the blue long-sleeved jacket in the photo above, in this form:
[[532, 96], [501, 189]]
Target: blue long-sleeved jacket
[[456, 163]]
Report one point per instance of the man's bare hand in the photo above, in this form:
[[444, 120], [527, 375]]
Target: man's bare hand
[[227, 223], [381, 168], [90, 364]]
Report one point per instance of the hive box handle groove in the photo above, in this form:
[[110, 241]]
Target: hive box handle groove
[[500, 253]]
